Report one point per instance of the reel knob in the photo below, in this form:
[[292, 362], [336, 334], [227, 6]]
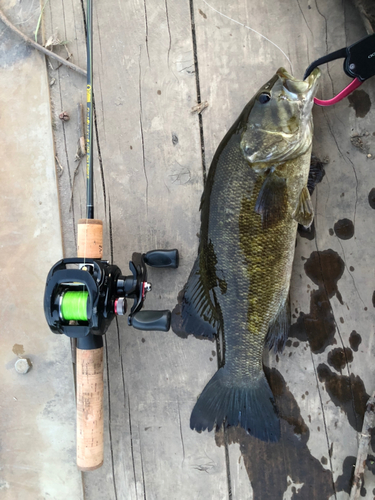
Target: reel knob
[[152, 320], [162, 258]]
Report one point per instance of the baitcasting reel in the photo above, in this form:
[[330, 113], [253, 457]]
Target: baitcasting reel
[[82, 296]]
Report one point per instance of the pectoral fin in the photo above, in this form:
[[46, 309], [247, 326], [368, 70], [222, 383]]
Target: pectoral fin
[[304, 213], [271, 199]]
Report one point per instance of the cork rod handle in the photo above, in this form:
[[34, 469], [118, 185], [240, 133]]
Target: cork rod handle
[[89, 363]]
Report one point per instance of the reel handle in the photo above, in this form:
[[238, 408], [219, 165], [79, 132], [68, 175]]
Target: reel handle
[[152, 320], [89, 366], [162, 258]]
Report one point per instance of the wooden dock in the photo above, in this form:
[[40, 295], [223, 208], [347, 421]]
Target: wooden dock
[[154, 62]]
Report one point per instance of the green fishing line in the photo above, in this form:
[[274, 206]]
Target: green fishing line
[[74, 306]]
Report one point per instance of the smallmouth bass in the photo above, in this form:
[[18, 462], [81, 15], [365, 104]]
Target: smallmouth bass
[[255, 196]]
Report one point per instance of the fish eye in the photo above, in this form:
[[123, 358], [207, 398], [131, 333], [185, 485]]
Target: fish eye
[[264, 97]]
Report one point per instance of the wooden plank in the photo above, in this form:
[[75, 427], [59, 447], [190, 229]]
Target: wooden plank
[[233, 63], [152, 180], [150, 148], [37, 408], [64, 22]]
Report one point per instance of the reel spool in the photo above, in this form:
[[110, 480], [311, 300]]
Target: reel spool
[[73, 305], [82, 296]]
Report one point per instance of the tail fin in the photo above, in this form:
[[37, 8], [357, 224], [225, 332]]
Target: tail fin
[[251, 406]]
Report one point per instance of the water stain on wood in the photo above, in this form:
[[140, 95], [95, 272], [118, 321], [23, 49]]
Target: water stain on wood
[[370, 463], [360, 101], [18, 349], [371, 198], [318, 327], [354, 340], [339, 357], [347, 393], [344, 229], [345, 480], [325, 268], [307, 232], [269, 464]]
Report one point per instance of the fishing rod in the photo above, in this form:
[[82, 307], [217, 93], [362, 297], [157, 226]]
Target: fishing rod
[[83, 294], [89, 156]]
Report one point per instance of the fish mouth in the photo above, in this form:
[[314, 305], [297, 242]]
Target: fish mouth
[[298, 89]]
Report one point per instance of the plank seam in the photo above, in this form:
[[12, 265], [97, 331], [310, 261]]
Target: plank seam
[[315, 372], [131, 435], [324, 423], [169, 31], [146, 32], [127, 397], [58, 78], [110, 229], [143, 477], [141, 127], [181, 435], [227, 464], [346, 160], [349, 272], [198, 89], [326, 41]]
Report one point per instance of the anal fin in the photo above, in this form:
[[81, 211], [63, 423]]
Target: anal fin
[[278, 330], [195, 313]]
